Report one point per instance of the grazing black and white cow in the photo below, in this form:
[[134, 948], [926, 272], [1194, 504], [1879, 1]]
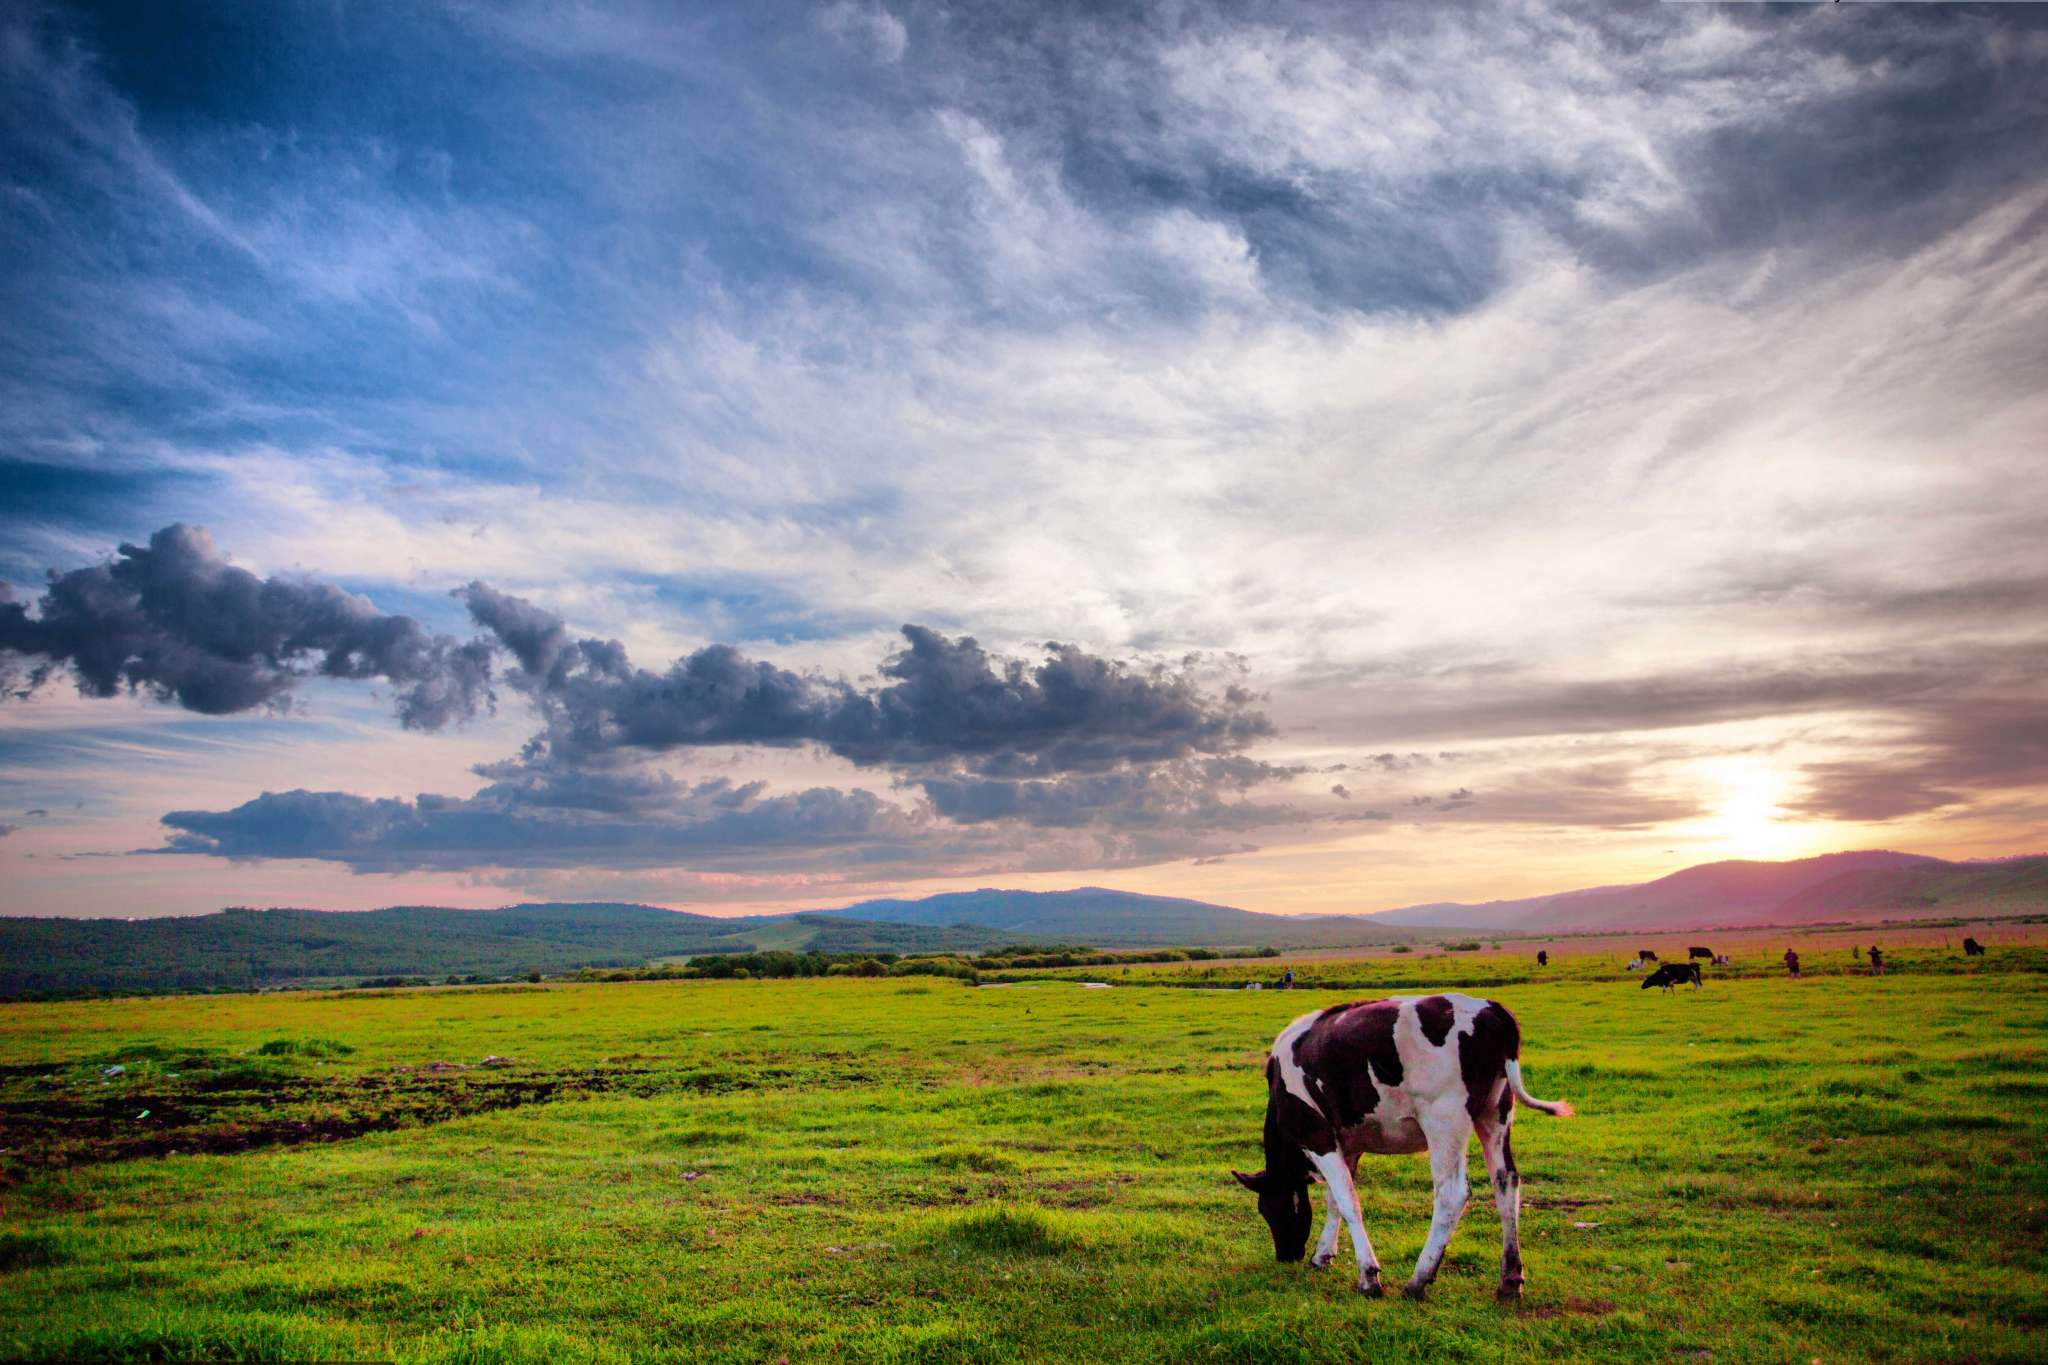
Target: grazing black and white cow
[[1671, 973], [1408, 1074], [1972, 948], [1697, 951], [1645, 955]]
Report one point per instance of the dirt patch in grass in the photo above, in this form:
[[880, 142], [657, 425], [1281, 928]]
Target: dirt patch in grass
[[1591, 1308], [213, 1113]]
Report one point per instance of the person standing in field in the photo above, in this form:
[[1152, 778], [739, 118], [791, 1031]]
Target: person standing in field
[[1876, 961], [1542, 958], [1792, 963], [1287, 981]]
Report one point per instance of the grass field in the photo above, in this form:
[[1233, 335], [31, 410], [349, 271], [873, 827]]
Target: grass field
[[909, 1170], [1913, 947]]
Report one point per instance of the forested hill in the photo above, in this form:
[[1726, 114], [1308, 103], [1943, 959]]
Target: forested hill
[[243, 949], [1108, 918], [247, 948]]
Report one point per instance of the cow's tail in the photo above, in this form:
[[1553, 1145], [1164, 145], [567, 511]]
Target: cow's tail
[[1555, 1108]]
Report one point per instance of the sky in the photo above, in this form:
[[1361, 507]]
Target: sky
[[1311, 457]]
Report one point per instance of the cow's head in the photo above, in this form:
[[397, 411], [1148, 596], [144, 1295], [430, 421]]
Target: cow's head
[[1283, 1203]]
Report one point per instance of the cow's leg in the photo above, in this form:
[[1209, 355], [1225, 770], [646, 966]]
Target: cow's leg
[[1449, 1130], [1326, 1245], [1343, 1199], [1497, 1145]]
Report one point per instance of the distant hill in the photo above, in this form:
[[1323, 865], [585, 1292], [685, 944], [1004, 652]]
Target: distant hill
[[1835, 886], [1124, 919], [244, 949]]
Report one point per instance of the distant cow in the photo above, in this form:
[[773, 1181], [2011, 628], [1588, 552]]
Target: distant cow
[[1721, 960], [1636, 965], [1390, 1077], [1697, 951], [1671, 973], [1645, 955], [1972, 948], [1543, 957]]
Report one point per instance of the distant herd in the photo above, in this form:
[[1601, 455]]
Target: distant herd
[[1670, 974]]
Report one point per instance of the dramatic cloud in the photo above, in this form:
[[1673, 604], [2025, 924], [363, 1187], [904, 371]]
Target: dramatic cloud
[[712, 823], [1939, 758], [715, 825], [944, 701], [176, 620], [1626, 417], [1189, 794], [1506, 703]]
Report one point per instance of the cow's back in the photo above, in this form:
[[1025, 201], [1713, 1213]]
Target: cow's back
[[1382, 1060]]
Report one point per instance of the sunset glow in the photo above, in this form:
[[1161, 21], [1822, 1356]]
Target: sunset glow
[[737, 464]]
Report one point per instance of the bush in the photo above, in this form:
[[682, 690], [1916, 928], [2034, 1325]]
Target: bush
[[1010, 1231], [1470, 945], [304, 1047], [929, 966], [1404, 948]]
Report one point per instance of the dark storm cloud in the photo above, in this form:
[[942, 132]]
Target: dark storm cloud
[[6, 830], [1076, 711], [176, 620], [943, 701], [1124, 764], [536, 638], [1186, 794], [714, 825], [700, 824]]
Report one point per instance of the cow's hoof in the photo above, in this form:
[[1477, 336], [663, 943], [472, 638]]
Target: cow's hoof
[[1509, 1291], [1322, 1259], [1414, 1290], [1371, 1287]]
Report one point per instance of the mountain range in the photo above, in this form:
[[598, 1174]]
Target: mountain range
[[1876, 884], [1123, 919], [243, 948]]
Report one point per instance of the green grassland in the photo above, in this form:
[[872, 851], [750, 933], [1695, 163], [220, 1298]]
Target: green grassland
[[911, 1170], [1437, 971]]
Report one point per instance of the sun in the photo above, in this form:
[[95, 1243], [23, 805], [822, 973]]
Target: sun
[[1748, 822]]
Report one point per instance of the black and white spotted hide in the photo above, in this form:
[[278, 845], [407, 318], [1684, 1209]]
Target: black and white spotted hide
[[1408, 1074]]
